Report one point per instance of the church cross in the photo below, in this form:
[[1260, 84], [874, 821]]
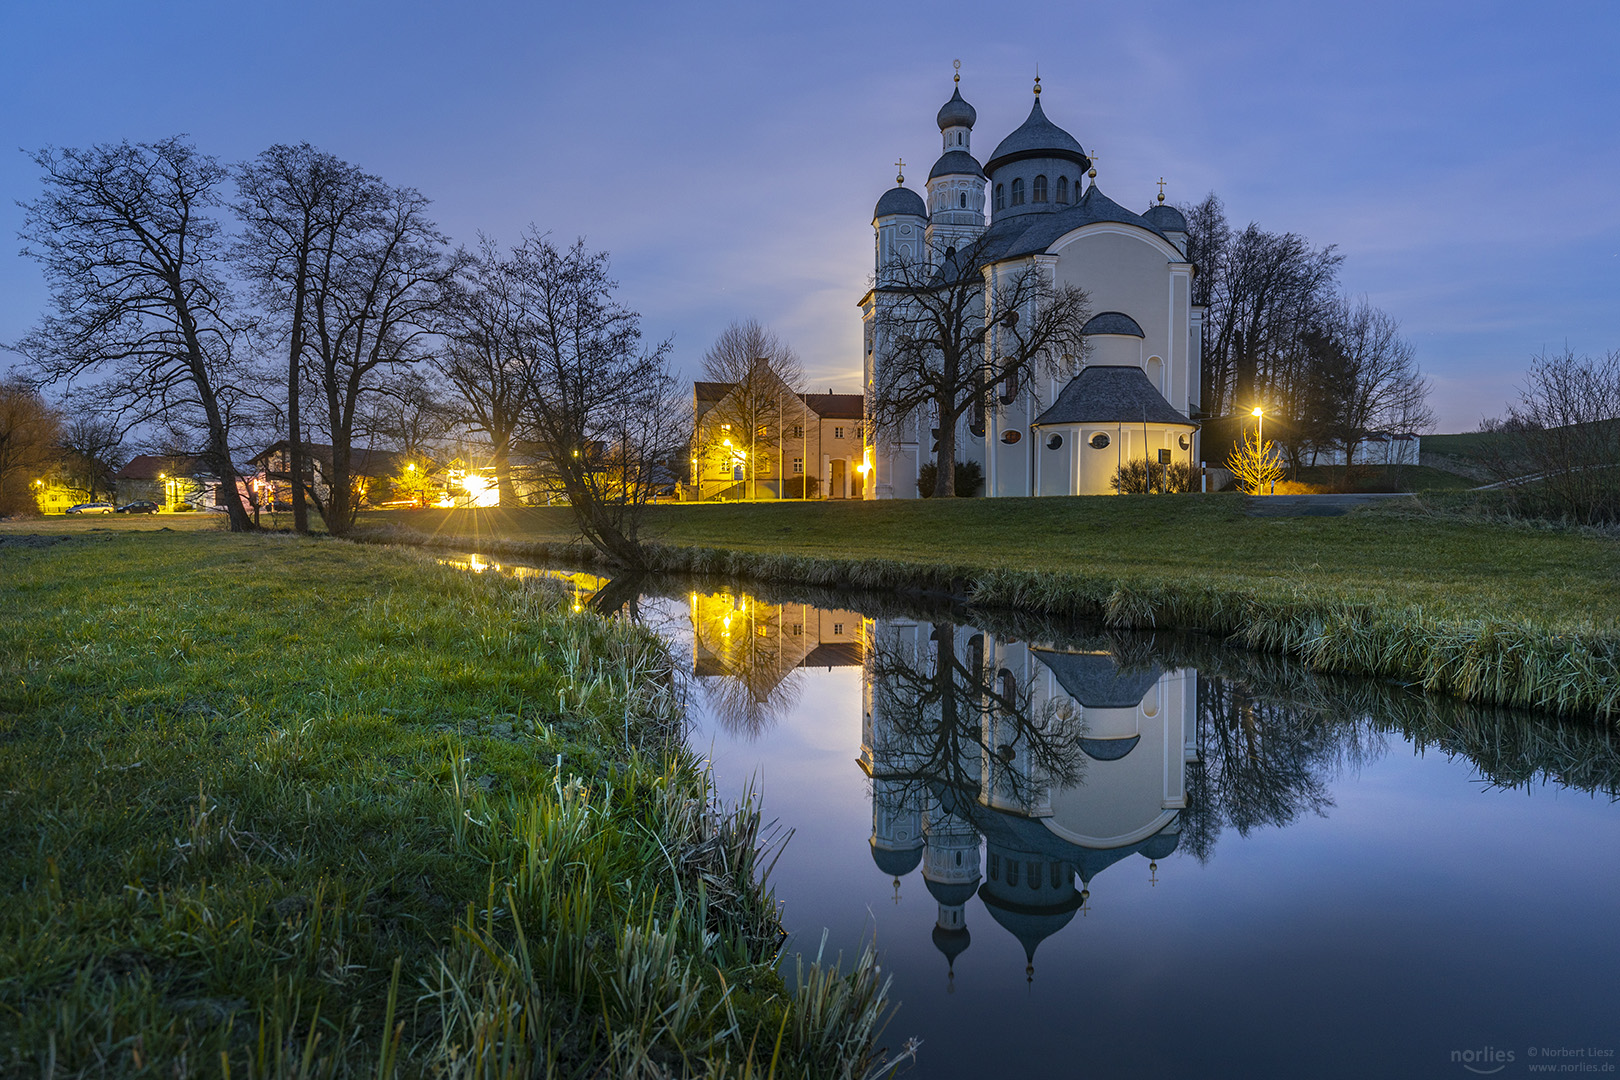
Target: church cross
[[900, 171], [1161, 189]]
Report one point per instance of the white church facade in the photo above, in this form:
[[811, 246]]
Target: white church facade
[[1133, 392]]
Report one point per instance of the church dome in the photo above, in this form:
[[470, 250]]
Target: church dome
[[957, 112], [952, 943], [952, 894], [900, 200], [956, 163], [1038, 137], [1165, 218], [1112, 322], [896, 863]]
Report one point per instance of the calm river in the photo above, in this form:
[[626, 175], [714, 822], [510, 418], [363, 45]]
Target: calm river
[[1120, 855]]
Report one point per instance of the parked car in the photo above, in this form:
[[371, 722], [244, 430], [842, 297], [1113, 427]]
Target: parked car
[[139, 506], [91, 508]]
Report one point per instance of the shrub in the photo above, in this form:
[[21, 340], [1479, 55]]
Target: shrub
[[794, 487], [969, 479], [1143, 478]]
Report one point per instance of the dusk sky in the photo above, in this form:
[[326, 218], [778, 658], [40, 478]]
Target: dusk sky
[[1464, 157]]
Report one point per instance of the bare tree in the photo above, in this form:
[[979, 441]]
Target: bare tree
[[133, 259], [294, 202], [30, 431], [1567, 431], [603, 407], [373, 303], [92, 450], [1379, 385], [953, 335], [765, 377], [481, 321]]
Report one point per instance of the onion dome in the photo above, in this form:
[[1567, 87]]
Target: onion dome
[[1112, 322], [957, 112], [1038, 137], [956, 163], [1165, 218], [900, 200], [896, 863], [952, 893]]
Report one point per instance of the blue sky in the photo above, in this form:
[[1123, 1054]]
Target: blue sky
[[1463, 156]]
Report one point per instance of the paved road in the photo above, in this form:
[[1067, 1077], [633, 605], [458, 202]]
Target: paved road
[[1310, 505]]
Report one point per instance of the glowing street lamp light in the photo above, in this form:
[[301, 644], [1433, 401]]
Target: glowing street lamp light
[[1261, 432]]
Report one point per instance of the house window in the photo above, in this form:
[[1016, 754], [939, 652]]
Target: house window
[[1063, 189], [838, 433], [764, 431], [1018, 192], [1038, 194], [798, 431], [1001, 196], [838, 629], [798, 629], [798, 466]]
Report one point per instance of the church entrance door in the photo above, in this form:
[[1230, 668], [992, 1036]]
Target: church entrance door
[[835, 489]]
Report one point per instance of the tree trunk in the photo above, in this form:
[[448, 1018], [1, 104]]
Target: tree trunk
[[501, 458], [945, 459]]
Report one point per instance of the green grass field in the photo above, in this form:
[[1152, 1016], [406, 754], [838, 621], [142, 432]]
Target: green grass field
[[1426, 593], [1447, 564], [284, 806]]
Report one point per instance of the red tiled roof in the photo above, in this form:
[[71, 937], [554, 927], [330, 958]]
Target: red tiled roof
[[836, 406]]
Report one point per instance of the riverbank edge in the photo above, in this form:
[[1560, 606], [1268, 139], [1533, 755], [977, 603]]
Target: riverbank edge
[[718, 947], [1490, 661]]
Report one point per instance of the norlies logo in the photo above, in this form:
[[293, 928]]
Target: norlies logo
[[1484, 1061]]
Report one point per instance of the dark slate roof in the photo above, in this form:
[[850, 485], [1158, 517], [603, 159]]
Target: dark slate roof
[[1165, 218], [1095, 679], [957, 112], [836, 406], [900, 200], [1106, 394], [1030, 233], [711, 391], [956, 163], [834, 654], [149, 466], [951, 894], [1109, 749], [1037, 137], [1029, 924], [1112, 322]]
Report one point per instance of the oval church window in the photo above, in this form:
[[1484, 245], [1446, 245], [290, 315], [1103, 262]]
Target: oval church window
[[1186, 443], [1100, 441], [1010, 437], [1054, 441]]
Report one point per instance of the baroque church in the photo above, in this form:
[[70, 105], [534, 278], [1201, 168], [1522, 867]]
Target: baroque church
[[1132, 393]]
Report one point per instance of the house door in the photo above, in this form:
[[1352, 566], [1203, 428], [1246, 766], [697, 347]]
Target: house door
[[836, 489]]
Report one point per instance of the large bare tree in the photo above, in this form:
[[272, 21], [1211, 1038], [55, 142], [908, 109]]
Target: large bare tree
[[294, 203], [373, 305], [134, 260], [955, 336], [482, 327], [765, 377], [603, 407]]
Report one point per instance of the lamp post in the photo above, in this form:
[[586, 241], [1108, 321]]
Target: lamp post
[[1260, 437]]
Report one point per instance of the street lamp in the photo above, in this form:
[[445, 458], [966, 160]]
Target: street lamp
[[1260, 433]]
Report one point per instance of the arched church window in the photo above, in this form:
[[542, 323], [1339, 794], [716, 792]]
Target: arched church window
[[995, 866], [1063, 189], [1001, 196], [1100, 441], [1018, 192], [1057, 881], [1009, 389], [1012, 871], [1034, 869], [964, 200], [1038, 194]]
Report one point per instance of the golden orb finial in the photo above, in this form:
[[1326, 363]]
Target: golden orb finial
[[1161, 191], [957, 64], [900, 171], [1037, 80]]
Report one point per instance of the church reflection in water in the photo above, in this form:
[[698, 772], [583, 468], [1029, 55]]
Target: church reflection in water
[[1055, 762], [1059, 762]]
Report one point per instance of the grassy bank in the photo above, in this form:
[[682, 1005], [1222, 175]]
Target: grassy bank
[[299, 808], [1499, 612]]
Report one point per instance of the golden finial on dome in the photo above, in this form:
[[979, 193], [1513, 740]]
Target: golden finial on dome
[[1037, 80], [1161, 191], [1092, 172], [900, 171], [957, 64]]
